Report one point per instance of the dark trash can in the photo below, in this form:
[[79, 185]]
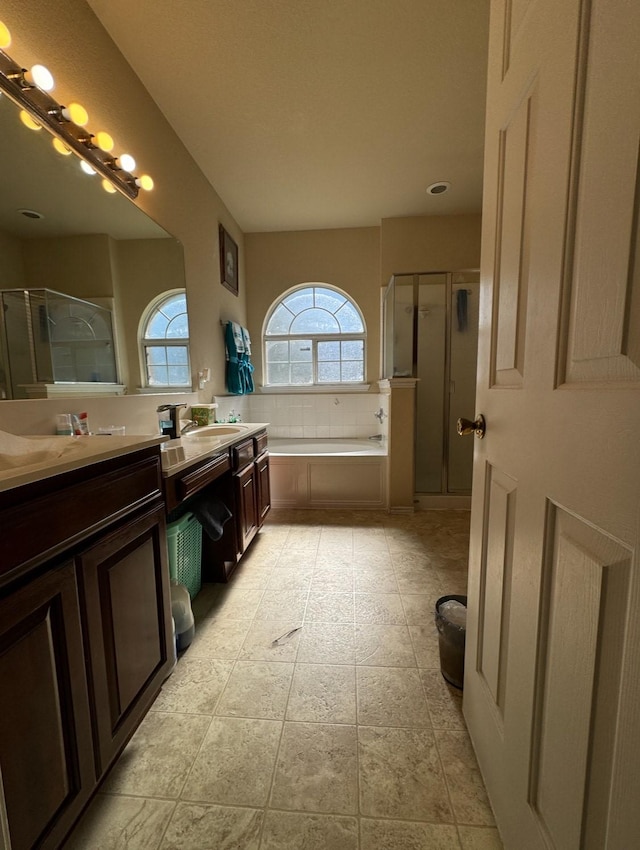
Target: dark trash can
[[451, 636]]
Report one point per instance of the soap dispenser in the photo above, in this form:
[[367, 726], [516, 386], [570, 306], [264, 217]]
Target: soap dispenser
[[169, 422]]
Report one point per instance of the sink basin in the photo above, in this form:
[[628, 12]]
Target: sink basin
[[19, 452], [10, 462], [213, 432]]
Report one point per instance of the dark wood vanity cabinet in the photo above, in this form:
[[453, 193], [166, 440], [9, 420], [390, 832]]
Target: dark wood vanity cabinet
[[243, 485], [246, 492], [178, 488], [264, 486], [123, 581], [250, 462], [46, 747], [85, 630]]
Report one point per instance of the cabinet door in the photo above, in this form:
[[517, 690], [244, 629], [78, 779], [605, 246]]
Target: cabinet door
[[46, 751], [247, 506], [125, 584], [264, 487]]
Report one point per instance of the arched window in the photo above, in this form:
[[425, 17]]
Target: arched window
[[164, 341], [314, 334]]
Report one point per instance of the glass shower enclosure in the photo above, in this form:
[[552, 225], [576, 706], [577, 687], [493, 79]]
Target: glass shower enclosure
[[48, 338], [430, 332]]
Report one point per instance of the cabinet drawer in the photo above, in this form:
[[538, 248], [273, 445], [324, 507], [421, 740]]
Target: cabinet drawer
[[38, 529], [192, 482], [242, 454], [260, 443]]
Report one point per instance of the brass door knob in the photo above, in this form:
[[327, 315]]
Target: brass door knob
[[478, 426]]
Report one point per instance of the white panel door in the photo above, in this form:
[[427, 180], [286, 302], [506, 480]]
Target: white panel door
[[552, 679]]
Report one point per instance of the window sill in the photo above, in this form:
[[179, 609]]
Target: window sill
[[164, 390], [315, 389]]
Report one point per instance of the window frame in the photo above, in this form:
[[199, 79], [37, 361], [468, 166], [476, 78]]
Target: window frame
[[338, 337], [164, 342]]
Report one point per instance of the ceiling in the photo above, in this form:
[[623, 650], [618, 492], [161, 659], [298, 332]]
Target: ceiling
[[313, 114]]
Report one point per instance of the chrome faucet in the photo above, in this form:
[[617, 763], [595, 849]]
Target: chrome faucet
[[377, 437], [189, 425], [380, 415]]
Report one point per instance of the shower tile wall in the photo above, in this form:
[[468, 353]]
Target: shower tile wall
[[347, 415]]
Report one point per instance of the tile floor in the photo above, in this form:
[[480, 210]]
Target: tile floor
[[343, 737]]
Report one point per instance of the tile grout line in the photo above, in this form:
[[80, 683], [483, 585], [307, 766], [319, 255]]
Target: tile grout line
[[267, 808], [213, 715], [166, 829], [253, 620], [355, 676]]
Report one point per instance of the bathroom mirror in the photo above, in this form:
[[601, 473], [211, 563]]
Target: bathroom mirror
[[60, 230]]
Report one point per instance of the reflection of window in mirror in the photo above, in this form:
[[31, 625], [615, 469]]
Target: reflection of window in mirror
[[164, 342]]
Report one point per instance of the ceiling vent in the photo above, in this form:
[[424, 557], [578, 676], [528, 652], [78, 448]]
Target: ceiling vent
[[30, 214], [438, 188]]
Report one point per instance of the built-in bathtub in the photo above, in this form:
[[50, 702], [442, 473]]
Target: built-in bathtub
[[328, 473]]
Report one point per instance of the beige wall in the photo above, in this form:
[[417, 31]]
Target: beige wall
[[11, 277], [11, 265], [429, 244], [68, 39], [145, 269], [357, 260], [348, 259], [75, 265]]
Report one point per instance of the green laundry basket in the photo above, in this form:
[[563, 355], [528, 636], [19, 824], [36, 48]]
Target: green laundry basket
[[184, 541]]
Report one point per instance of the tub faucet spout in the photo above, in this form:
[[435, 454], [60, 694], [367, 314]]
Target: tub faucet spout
[[376, 437]]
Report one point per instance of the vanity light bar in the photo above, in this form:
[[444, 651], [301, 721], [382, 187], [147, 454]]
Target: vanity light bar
[[48, 112]]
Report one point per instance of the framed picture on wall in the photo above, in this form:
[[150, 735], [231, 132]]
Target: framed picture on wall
[[228, 261]]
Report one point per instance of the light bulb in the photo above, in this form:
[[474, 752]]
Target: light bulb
[[61, 147], [28, 121], [108, 186], [144, 182], [104, 141], [84, 165], [77, 113], [42, 77], [126, 162], [5, 36]]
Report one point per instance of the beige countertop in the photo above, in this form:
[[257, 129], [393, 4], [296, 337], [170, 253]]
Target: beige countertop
[[196, 445], [27, 459], [24, 460]]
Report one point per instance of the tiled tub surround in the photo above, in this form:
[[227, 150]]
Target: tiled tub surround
[[344, 737], [349, 415], [310, 415]]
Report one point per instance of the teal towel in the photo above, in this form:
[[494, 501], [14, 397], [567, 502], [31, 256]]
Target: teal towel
[[239, 366], [234, 379]]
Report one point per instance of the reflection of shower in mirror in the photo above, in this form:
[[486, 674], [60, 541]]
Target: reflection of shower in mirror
[[52, 342]]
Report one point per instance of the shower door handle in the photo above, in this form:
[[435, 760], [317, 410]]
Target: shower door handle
[[466, 426]]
